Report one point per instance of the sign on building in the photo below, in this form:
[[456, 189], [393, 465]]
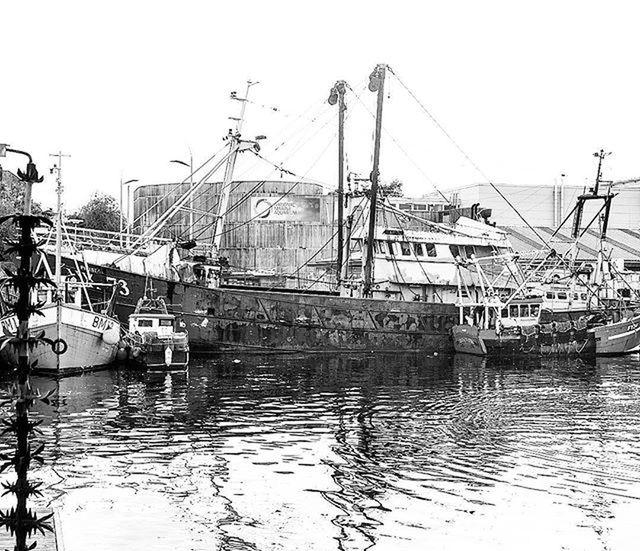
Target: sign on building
[[287, 207]]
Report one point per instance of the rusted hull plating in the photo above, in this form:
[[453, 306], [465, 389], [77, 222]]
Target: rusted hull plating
[[547, 339], [234, 319]]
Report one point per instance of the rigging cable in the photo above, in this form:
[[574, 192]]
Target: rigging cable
[[464, 154], [395, 141]]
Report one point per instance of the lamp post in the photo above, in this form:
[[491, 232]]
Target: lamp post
[[190, 167], [122, 184]]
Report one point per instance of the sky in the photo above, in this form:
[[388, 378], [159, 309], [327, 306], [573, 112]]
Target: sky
[[528, 90]]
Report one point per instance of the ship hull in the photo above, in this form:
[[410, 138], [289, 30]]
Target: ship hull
[[540, 340], [82, 331], [618, 338], [155, 356], [228, 319]]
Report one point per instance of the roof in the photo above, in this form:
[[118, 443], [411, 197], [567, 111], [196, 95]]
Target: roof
[[623, 243]]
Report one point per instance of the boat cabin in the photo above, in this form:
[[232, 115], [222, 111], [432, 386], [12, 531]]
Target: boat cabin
[[521, 312], [162, 325]]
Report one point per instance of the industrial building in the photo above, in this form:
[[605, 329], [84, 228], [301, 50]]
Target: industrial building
[[545, 206], [271, 227]]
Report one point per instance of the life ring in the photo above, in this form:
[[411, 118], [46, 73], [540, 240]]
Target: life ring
[[59, 347]]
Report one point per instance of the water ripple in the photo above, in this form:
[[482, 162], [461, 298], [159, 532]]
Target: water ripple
[[348, 453]]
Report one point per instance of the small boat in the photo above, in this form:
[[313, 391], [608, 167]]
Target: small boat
[[156, 341]]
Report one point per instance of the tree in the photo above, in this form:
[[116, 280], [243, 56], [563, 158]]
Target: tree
[[101, 212], [392, 189], [12, 202]]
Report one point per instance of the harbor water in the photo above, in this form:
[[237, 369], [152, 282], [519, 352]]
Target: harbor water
[[347, 453]]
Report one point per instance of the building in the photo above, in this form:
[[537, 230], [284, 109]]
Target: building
[[273, 227], [545, 206]]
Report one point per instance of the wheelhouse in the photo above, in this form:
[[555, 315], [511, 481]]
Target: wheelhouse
[[160, 324]]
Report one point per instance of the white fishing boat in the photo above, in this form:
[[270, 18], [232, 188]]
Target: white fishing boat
[[563, 314], [80, 338]]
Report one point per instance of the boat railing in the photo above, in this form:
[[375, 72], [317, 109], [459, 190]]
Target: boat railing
[[88, 238]]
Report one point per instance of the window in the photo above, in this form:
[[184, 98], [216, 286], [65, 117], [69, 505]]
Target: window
[[575, 296], [405, 248], [513, 311], [624, 293], [419, 207], [166, 323], [455, 251], [417, 247], [379, 246], [404, 206], [470, 250], [504, 313], [535, 309], [431, 249], [145, 323], [562, 296], [550, 295], [390, 247], [583, 296], [524, 310]]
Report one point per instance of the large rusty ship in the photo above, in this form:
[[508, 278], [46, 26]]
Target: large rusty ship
[[394, 288]]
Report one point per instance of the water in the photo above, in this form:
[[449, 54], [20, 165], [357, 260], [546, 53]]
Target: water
[[352, 453]]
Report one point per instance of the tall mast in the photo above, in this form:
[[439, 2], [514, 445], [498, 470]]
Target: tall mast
[[601, 155], [376, 84], [234, 141], [57, 168], [337, 96]]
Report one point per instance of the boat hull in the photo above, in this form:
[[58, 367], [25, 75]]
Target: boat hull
[[165, 356], [618, 338], [228, 319], [548, 339], [82, 331]]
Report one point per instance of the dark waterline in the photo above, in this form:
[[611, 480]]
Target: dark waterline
[[347, 452]]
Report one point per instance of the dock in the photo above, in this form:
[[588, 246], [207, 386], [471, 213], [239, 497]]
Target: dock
[[50, 541]]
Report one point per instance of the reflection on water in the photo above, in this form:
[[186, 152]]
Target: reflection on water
[[340, 452]]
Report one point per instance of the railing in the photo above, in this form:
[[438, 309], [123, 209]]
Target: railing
[[86, 238]]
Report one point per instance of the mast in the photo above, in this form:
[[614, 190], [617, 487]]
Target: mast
[[57, 168], [376, 84], [601, 155], [234, 142], [337, 96]]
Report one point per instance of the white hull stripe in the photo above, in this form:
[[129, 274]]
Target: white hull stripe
[[622, 335]]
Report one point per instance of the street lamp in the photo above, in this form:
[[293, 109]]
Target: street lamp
[[30, 176], [122, 184], [190, 167]]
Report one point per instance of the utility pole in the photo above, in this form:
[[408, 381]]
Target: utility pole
[[337, 96], [376, 84]]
